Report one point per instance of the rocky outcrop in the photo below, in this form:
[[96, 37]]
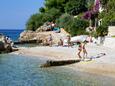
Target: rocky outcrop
[[41, 37], [27, 35], [4, 47], [45, 27]]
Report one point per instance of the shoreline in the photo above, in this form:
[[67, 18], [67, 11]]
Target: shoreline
[[102, 66]]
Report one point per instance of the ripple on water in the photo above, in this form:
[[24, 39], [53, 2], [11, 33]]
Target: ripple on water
[[18, 70]]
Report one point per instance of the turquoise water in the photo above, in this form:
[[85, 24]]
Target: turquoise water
[[18, 70]]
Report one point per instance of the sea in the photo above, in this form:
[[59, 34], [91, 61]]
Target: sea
[[22, 70], [12, 33]]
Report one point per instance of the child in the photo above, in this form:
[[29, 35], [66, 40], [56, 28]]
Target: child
[[79, 49], [84, 50]]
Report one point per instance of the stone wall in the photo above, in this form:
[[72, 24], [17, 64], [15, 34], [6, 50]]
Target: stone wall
[[111, 31], [109, 42]]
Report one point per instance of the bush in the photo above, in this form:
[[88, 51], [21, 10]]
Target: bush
[[78, 27], [73, 25], [65, 21], [102, 30], [74, 7], [34, 22], [107, 18]]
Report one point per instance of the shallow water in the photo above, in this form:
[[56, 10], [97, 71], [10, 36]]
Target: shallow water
[[18, 70]]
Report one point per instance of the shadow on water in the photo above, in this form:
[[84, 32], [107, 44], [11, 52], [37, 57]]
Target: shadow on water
[[18, 70]]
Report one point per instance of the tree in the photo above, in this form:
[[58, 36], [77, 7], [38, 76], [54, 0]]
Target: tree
[[104, 3], [102, 30], [90, 4], [111, 5], [65, 21], [37, 20], [42, 9], [74, 7], [79, 27], [34, 22], [58, 4], [107, 18], [73, 25]]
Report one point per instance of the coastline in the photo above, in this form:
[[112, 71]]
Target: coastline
[[102, 66]]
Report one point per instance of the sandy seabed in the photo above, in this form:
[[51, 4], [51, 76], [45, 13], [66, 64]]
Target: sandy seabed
[[105, 65]]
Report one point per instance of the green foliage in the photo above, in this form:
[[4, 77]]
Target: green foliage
[[107, 18], [73, 25], [111, 5], [52, 10], [104, 3], [58, 4], [65, 21], [53, 14], [90, 4], [112, 22], [33, 23], [63, 11], [37, 20], [42, 10], [78, 27], [75, 7], [102, 30]]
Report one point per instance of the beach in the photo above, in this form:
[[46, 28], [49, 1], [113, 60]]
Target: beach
[[104, 65]]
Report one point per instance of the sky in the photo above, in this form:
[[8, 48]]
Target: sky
[[15, 13]]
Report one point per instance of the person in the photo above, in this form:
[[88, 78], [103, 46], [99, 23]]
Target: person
[[79, 49], [60, 43], [69, 41], [84, 50], [50, 40], [52, 26], [9, 41]]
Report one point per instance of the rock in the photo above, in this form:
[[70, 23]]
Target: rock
[[8, 48], [27, 35], [2, 48], [45, 27], [41, 37], [51, 63]]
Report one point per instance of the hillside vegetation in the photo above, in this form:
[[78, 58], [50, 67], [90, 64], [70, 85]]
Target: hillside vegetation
[[74, 15]]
